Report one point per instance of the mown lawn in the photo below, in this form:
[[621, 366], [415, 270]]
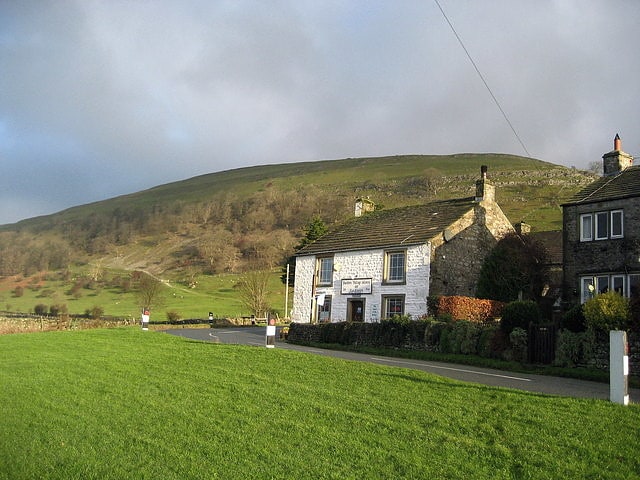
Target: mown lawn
[[123, 403]]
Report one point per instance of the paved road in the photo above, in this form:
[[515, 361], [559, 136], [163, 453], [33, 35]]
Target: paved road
[[522, 381]]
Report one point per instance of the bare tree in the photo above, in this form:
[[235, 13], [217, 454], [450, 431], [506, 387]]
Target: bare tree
[[253, 289], [218, 249], [148, 291], [595, 167]]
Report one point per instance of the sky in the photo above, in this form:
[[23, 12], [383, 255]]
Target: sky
[[104, 98]]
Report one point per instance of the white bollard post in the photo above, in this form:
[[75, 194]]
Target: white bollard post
[[270, 340], [145, 319], [618, 367]]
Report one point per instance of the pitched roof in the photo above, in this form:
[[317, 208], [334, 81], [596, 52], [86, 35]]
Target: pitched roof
[[622, 185], [552, 241], [391, 228]]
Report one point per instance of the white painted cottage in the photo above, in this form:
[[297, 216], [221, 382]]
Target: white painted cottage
[[387, 262]]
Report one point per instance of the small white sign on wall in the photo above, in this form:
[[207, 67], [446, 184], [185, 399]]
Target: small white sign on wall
[[355, 286]]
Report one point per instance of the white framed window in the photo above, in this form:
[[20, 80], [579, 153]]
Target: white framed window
[[587, 289], [617, 284], [592, 285], [586, 227], [617, 224], [395, 267], [392, 305], [325, 271], [602, 284], [602, 225], [324, 310]]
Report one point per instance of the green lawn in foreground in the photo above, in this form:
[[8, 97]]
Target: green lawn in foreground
[[124, 403]]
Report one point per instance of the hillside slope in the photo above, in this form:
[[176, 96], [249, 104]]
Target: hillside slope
[[253, 216]]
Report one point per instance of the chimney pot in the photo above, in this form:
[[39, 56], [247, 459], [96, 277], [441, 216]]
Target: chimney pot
[[617, 143]]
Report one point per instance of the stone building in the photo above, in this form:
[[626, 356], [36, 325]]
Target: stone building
[[601, 232], [387, 262]]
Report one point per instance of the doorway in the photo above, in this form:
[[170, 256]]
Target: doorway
[[355, 310]]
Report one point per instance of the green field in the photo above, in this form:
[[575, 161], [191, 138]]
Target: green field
[[214, 293], [123, 403]]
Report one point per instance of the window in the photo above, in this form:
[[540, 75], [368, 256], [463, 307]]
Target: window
[[601, 225], [617, 224], [392, 305], [394, 267], [586, 228], [602, 284], [587, 289], [633, 285], [626, 285], [617, 284], [324, 310], [325, 271]]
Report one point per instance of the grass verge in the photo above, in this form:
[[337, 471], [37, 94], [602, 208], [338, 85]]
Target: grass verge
[[123, 403]]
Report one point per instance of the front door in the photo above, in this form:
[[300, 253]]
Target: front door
[[355, 310]]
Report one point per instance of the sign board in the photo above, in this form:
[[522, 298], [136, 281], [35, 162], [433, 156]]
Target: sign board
[[355, 286]]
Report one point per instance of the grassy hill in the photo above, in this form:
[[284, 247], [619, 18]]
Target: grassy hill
[[250, 218]]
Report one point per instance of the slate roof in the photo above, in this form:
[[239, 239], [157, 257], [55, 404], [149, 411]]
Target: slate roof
[[396, 227], [622, 185], [552, 241]]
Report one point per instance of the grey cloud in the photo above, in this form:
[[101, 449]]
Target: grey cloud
[[138, 94]]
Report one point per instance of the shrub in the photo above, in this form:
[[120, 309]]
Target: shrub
[[468, 308], [432, 305], [574, 348], [432, 333], [607, 311], [518, 340], [487, 343], [56, 310], [173, 316], [573, 320], [18, 291], [40, 309], [519, 314], [460, 337], [94, 312]]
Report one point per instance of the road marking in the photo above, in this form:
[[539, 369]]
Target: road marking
[[450, 368]]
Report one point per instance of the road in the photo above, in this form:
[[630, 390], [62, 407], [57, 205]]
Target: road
[[521, 381]]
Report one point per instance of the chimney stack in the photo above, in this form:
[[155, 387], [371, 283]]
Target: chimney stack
[[616, 160], [484, 190]]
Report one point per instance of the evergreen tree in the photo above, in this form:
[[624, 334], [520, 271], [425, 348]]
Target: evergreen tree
[[313, 230], [516, 266]]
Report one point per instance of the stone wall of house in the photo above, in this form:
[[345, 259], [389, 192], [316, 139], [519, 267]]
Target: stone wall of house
[[302, 290], [458, 261], [599, 256], [366, 264]]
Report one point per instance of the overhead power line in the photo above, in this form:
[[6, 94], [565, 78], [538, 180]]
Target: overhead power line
[[483, 79]]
